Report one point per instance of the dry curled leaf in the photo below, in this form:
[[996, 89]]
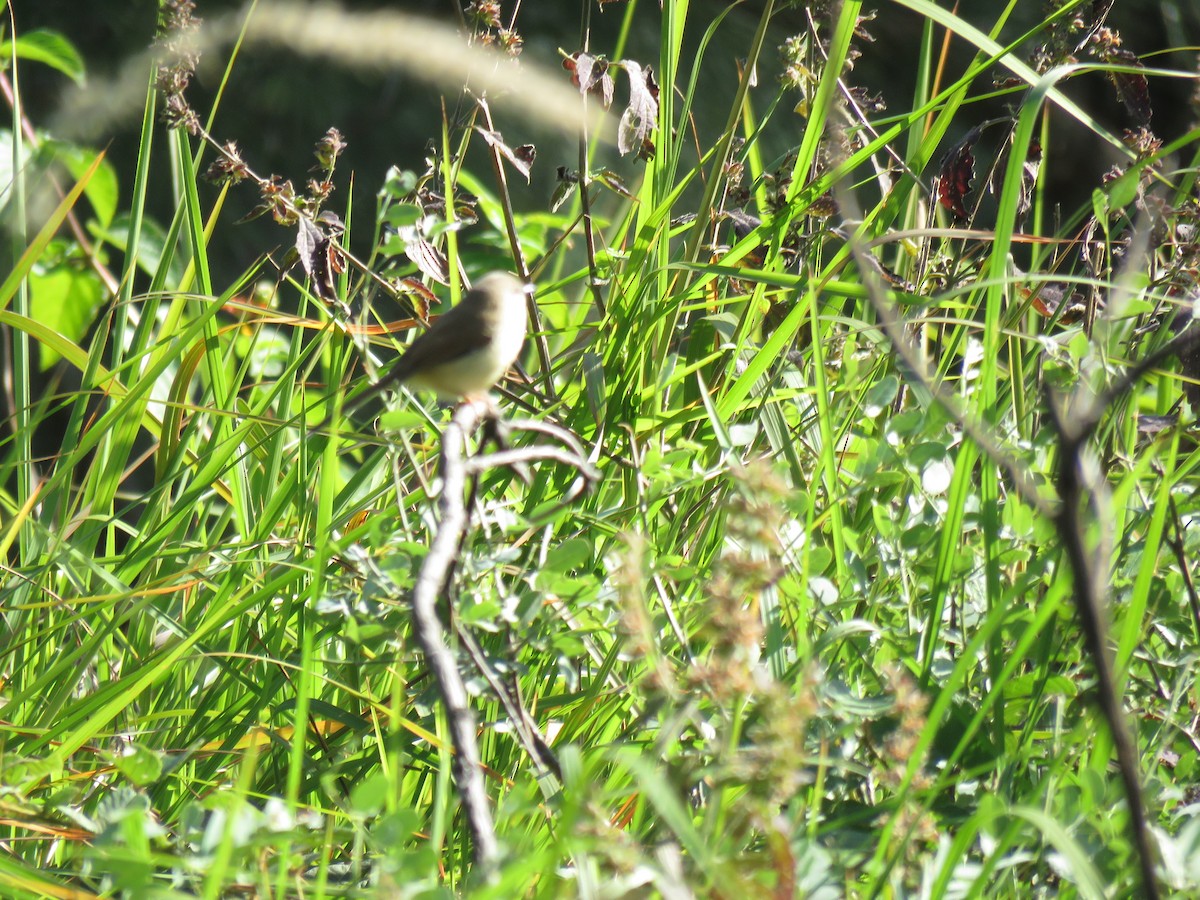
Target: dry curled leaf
[[424, 255], [638, 119], [590, 74], [956, 174], [1058, 301], [1133, 90], [420, 297], [613, 182], [521, 157], [317, 254], [567, 179]]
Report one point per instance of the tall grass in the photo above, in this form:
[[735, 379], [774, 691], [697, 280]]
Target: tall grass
[[817, 631]]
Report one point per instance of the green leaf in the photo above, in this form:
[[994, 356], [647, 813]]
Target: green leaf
[[148, 253], [102, 189], [398, 183], [139, 764], [881, 395], [368, 796], [64, 298], [402, 215], [569, 556], [38, 245], [51, 48]]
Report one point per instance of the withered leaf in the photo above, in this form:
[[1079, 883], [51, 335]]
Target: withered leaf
[[466, 212], [318, 257], [1133, 90], [520, 157], [332, 223], [421, 297], [308, 239], [1058, 300], [590, 74], [567, 179], [638, 119], [613, 182], [526, 153], [956, 174], [424, 255], [651, 83]]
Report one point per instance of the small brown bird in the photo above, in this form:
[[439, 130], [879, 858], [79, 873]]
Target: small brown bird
[[467, 350]]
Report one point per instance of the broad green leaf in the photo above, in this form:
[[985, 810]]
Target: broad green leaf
[[102, 189], [49, 47], [65, 299]]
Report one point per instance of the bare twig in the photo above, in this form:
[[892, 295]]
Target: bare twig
[[430, 583], [1076, 422], [515, 455], [523, 725], [433, 582]]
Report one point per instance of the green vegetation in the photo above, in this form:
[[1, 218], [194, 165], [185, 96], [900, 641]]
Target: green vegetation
[[885, 588]]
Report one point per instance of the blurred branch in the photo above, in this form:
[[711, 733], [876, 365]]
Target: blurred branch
[[1074, 423]]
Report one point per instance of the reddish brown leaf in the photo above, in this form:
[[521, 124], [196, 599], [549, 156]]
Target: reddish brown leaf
[[525, 154], [1053, 300], [1133, 90], [421, 297], [957, 172]]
